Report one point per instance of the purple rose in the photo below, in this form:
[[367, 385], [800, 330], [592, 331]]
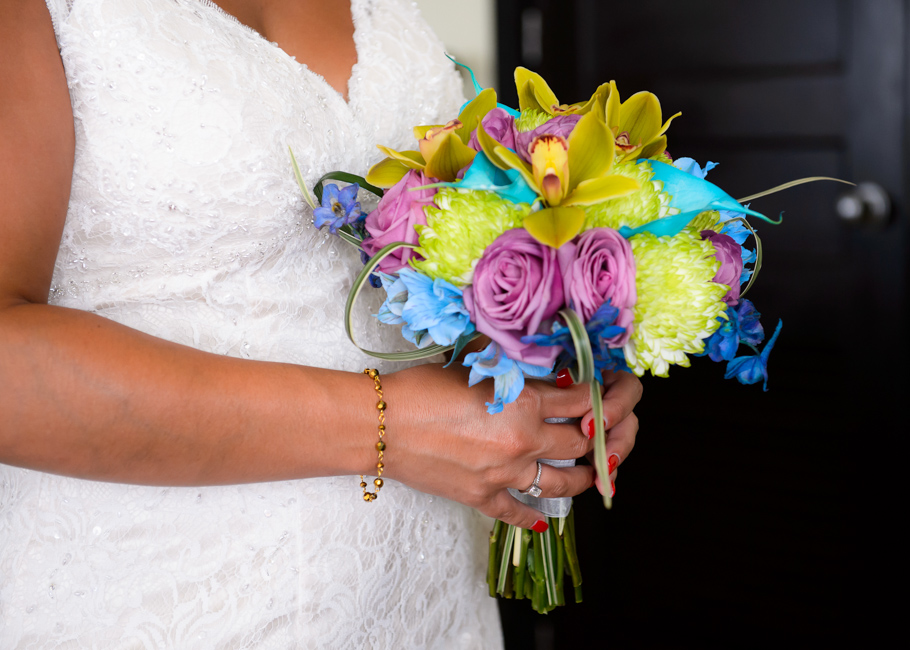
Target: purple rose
[[394, 219], [517, 288], [561, 125], [729, 254], [500, 126], [598, 266]]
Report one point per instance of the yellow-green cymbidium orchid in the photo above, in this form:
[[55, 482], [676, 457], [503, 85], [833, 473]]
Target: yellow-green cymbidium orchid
[[636, 125], [443, 148], [534, 94], [566, 173]]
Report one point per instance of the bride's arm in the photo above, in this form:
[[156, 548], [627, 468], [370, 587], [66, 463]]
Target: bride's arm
[[83, 396]]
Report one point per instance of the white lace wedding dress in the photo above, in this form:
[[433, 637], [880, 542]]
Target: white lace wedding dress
[[185, 222]]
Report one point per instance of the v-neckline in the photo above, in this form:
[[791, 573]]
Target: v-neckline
[[256, 35]]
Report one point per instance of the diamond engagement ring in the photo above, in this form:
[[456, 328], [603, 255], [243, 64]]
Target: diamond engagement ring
[[534, 490]]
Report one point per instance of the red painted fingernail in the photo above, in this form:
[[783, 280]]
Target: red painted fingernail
[[540, 526], [612, 489], [592, 429], [564, 378], [612, 463]]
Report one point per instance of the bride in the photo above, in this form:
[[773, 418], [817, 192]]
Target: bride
[[183, 420]]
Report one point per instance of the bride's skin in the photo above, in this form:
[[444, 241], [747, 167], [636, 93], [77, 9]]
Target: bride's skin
[[84, 396]]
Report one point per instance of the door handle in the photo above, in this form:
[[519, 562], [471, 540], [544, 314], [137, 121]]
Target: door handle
[[866, 204]]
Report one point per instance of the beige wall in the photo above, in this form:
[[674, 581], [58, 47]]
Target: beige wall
[[468, 29]]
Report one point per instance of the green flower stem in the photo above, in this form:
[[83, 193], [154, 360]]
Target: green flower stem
[[572, 555], [505, 560], [560, 567], [539, 597], [493, 560], [548, 547], [521, 571]]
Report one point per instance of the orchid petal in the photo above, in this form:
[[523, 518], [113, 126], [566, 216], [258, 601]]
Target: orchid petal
[[640, 117], [420, 132], [594, 105], [653, 148], [590, 150], [613, 108], [489, 145], [555, 226], [550, 166], [595, 190], [534, 92], [451, 156], [413, 159], [666, 125], [474, 111], [386, 173], [511, 160]]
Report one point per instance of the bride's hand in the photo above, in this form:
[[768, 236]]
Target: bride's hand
[[441, 440]]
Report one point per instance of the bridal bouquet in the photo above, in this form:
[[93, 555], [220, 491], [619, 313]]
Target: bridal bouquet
[[568, 236]]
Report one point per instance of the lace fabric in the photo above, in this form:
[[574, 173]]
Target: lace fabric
[[185, 222]]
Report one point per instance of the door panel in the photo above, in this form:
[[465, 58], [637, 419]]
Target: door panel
[[745, 516]]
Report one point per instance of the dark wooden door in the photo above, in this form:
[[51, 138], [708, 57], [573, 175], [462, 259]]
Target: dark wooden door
[[746, 516]]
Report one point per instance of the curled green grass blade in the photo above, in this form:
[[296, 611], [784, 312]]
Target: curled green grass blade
[[345, 178], [345, 234], [585, 373], [359, 282], [758, 255], [785, 186], [300, 183]]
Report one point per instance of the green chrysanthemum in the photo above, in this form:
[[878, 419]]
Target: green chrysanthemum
[[708, 220], [530, 119], [678, 304], [458, 231], [633, 210]]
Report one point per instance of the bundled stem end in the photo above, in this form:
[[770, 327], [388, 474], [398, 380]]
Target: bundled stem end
[[533, 566]]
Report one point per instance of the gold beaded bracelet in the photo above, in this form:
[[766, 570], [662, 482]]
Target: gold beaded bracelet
[[380, 446]]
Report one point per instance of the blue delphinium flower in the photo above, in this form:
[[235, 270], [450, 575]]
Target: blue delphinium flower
[[339, 207], [601, 329], [429, 311], [753, 368], [508, 375], [390, 312], [436, 306], [689, 166], [741, 325]]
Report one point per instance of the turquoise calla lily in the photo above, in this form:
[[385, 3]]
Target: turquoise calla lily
[[692, 194], [484, 175]]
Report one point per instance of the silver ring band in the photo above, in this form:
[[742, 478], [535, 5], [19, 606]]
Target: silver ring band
[[534, 490]]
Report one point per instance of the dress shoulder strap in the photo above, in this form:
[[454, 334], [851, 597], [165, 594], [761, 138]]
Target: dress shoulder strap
[[59, 10]]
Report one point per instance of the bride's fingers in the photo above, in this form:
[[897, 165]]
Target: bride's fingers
[[623, 392], [563, 442], [569, 402], [558, 482], [506, 508], [619, 443], [620, 439]]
